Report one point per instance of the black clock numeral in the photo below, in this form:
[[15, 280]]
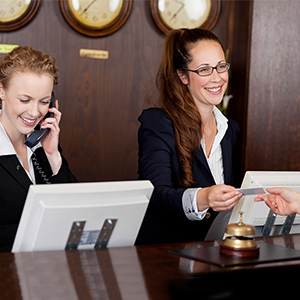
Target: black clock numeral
[[17, 13]]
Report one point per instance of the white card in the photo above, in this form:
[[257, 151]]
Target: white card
[[252, 191]]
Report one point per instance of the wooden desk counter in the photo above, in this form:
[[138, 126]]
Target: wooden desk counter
[[144, 272]]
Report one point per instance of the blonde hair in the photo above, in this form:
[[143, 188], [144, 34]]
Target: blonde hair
[[27, 59]]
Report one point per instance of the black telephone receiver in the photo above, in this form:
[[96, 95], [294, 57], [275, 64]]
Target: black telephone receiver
[[37, 135]]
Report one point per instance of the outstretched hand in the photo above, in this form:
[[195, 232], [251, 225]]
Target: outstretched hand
[[219, 197], [281, 201]]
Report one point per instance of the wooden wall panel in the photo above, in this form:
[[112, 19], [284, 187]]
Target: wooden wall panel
[[239, 27], [273, 124], [102, 99]]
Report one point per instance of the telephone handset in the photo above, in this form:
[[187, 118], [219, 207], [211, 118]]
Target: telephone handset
[[37, 135]]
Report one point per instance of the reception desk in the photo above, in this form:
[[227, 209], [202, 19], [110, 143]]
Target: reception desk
[[143, 272]]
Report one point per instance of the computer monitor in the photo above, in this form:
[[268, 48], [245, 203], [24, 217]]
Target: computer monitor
[[82, 215], [256, 213]]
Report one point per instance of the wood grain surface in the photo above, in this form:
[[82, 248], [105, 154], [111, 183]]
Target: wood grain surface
[[273, 123]]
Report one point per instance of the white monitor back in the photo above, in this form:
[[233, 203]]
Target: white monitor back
[[51, 210], [255, 213]]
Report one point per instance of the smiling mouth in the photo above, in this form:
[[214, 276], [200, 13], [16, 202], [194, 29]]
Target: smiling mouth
[[28, 122], [214, 90]]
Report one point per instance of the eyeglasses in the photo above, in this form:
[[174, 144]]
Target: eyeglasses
[[207, 70]]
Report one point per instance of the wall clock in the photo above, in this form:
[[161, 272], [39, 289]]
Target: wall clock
[[14, 14], [96, 17], [175, 14]]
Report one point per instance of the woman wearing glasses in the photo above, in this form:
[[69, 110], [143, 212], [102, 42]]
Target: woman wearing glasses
[[186, 144]]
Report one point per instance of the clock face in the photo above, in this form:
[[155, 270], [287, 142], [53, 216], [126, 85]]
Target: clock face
[[96, 18], [176, 14], [11, 10], [184, 13], [95, 14]]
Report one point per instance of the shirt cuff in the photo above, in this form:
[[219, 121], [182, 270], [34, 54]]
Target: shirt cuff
[[189, 203]]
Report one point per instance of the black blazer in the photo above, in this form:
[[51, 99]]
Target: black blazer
[[165, 220], [14, 185]]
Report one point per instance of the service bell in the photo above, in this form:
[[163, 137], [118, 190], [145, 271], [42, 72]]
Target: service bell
[[239, 243]]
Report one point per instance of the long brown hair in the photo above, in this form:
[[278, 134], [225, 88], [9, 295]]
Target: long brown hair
[[176, 100]]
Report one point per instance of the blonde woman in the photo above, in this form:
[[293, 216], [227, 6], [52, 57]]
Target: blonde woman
[[27, 77]]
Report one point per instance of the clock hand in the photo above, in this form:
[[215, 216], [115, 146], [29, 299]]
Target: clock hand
[[88, 6], [177, 12]]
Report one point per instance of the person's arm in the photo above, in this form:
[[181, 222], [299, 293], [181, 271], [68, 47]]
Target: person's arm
[[50, 141], [60, 172], [158, 162], [64, 174], [282, 201]]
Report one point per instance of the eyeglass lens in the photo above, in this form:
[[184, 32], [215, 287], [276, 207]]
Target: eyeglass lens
[[205, 71]]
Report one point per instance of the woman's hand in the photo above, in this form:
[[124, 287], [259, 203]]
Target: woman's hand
[[219, 197], [50, 141], [281, 201]]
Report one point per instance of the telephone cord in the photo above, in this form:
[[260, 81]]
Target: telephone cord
[[39, 169]]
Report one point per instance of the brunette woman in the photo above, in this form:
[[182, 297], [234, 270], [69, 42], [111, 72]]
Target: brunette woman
[[27, 77], [186, 144]]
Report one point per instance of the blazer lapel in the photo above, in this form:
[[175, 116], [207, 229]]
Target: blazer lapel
[[226, 153], [200, 156], [13, 166]]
